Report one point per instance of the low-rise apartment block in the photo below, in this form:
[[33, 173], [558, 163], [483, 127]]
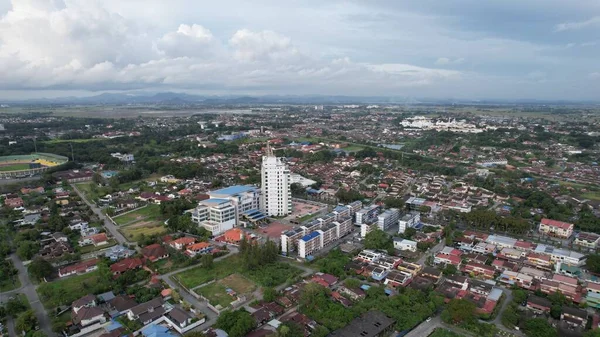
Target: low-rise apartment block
[[556, 228]]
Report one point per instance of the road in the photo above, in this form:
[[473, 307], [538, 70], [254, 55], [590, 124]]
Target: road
[[211, 316], [107, 223], [431, 251], [28, 289]]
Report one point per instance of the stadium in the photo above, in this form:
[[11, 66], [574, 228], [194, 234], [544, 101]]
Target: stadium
[[22, 166]]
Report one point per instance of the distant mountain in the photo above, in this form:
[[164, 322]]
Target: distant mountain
[[173, 98]]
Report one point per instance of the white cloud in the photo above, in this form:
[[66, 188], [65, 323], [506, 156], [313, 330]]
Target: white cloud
[[442, 61], [575, 25], [188, 40], [594, 75], [261, 46]]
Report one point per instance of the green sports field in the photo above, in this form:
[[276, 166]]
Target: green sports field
[[14, 167]]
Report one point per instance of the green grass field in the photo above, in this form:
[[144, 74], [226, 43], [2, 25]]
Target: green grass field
[[92, 248], [196, 276], [150, 212], [66, 290], [268, 276], [353, 148], [216, 292], [147, 228], [14, 167], [8, 284]]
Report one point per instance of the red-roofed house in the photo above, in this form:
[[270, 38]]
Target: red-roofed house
[[556, 228], [124, 265], [155, 252], [447, 259], [99, 239], [326, 280], [480, 269], [198, 248], [79, 268], [13, 202], [182, 242], [234, 235]]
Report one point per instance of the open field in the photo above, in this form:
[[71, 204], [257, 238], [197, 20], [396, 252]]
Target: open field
[[8, 284], [196, 276], [147, 228], [216, 292], [267, 276], [591, 195], [14, 167], [66, 290], [274, 229], [353, 148], [151, 211]]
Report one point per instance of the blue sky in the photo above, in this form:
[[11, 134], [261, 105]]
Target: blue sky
[[466, 49]]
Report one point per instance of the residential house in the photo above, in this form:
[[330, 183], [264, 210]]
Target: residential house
[[589, 240], [371, 324], [404, 244], [147, 312], [124, 265], [182, 242], [556, 228], [155, 252], [198, 248], [79, 268], [121, 304], [479, 269], [574, 317], [538, 304], [354, 294]]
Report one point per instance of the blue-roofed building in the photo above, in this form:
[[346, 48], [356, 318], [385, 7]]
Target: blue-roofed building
[[225, 207], [154, 330], [309, 243]]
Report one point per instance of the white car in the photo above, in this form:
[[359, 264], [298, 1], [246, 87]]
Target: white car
[[428, 319]]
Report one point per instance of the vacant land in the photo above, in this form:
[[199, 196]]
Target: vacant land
[[268, 275], [200, 275], [216, 292], [66, 290], [353, 148], [92, 248], [151, 212], [145, 228], [14, 167]]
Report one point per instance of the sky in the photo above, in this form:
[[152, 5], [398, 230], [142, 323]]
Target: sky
[[462, 49]]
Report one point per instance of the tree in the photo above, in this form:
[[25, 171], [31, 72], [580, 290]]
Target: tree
[[352, 283], [539, 327], [27, 249], [26, 321], [450, 270], [236, 323], [555, 311], [290, 329], [378, 239], [593, 263], [40, 268], [269, 294], [519, 296], [15, 306], [207, 261], [458, 311], [97, 179]]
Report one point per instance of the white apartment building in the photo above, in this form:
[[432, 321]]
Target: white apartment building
[[216, 215], [222, 211], [367, 215], [275, 178], [408, 220], [309, 244], [388, 218]]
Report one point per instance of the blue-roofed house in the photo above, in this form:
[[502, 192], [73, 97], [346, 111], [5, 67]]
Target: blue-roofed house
[[154, 330]]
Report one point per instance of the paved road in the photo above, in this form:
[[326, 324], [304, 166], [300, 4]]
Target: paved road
[[425, 328], [107, 223], [28, 289], [10, 326], [211, 316], [432, 251]]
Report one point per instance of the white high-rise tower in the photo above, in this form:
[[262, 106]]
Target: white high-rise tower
[[275, 178]]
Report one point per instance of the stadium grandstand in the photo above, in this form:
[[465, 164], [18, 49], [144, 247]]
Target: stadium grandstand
[[21, 166]]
